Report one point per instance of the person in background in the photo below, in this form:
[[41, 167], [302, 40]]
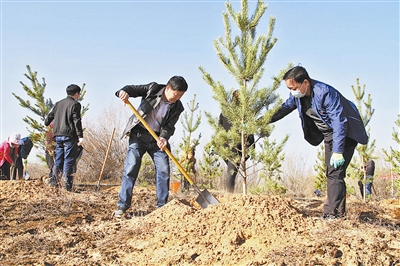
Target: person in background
[[160, 107], [326, 115], [51, 153], [22, 159], [369, 173], [9, 155], [189, 158], [50, 146], [234, 167], [68, 135]]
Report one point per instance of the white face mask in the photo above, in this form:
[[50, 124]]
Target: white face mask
[[297, 93]]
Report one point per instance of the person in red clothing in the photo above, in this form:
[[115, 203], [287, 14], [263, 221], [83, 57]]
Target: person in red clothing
[[9, 154]]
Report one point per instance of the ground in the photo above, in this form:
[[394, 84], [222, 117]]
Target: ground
[[41, 225]]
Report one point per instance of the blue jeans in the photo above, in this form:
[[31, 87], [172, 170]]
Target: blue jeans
[[66, 150], [141, 142], [368, 188]]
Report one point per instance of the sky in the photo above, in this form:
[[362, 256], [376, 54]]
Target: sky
[[110, 44]]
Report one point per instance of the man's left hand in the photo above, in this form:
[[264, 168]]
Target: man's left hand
[[337, 160], [162, 143]]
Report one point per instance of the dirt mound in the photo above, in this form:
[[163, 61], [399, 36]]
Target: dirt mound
[[41, 225]]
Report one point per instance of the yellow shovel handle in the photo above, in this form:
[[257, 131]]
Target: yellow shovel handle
[[157, 139]]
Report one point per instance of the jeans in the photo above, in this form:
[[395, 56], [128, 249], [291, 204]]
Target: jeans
[[66, 151], [141, 142], [368, 186], [335, 203]]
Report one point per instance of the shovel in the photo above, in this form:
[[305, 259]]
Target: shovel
[[105, 159], [205, 198], [26, 174]]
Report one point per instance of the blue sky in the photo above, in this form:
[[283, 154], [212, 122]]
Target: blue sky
[[109, 44]]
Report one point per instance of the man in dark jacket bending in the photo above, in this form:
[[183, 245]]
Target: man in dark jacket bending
[[68, 135], [160, 107]]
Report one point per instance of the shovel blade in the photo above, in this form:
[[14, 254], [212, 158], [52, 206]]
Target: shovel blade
[[205, 198], [26, 175]]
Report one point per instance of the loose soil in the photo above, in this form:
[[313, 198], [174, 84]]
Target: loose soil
[[41, 225]]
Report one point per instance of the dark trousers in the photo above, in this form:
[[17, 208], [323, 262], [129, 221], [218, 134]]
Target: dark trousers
[[5, 169], [336, 187], [19, 169], [231, 175], [50, 162]]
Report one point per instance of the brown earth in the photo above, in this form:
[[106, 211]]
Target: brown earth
[[40, 225]]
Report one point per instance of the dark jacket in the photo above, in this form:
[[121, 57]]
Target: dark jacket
[[151, 96], [340, 114], [370, 168], [25, 148], [223, 121], [67, 118]]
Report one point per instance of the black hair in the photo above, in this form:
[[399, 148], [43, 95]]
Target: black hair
[[178, 83], [72, 89], [298, 73]]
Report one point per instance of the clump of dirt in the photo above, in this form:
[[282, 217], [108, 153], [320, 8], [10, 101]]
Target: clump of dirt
[[41, 225]]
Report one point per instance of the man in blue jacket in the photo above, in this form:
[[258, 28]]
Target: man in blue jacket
[[326, 116], [160, 107]]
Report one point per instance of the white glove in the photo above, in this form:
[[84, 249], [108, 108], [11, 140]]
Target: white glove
[[80, 141]]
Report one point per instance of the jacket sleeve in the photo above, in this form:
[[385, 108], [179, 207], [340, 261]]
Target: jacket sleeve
[[287, 107], [5, 153], [336, 119], [136, 90], [2, 153], [76, 118]]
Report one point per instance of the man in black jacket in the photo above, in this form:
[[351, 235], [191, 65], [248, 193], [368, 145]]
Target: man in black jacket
[[160, 107], [68, 135], [369, 174], [234, 163]]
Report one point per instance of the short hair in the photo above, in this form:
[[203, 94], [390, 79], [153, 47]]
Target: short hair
[[72, 89], [235, 96], [178, 83], [298, 73]]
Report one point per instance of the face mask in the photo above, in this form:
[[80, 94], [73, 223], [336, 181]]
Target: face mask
[[297, 93]]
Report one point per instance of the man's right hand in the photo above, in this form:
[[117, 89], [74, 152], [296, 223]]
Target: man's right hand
[[123, 95], [80, 141]]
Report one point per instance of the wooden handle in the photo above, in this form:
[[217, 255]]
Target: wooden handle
[[108, 149]]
